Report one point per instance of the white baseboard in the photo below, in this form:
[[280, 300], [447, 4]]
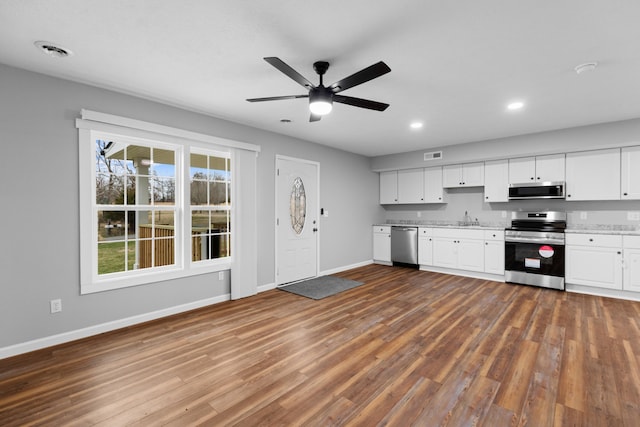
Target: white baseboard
[[267, 287], [345, 268], [464, 273], [16, 349], [602, 292]]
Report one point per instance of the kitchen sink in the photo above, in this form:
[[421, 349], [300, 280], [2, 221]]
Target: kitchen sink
[[468, 223]]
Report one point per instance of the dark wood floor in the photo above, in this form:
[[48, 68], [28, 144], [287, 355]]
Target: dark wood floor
[[406, 348]]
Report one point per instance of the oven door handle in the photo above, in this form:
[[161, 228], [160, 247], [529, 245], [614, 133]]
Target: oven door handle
[[542, 240]]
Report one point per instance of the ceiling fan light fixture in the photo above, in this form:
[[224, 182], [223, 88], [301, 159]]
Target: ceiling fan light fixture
[[320, 103], [320, 108]]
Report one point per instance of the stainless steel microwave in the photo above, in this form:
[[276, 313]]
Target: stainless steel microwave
[[537, 190]]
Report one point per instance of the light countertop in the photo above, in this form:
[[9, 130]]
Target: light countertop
[[604, 229], [427, 224]]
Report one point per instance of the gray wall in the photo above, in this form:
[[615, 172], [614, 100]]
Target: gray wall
[[607, 135], [39, 255]]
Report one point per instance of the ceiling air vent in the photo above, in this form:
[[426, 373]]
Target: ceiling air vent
[[434, 155], [53, 50]]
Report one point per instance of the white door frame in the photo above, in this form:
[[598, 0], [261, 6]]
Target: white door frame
[[275, 225]]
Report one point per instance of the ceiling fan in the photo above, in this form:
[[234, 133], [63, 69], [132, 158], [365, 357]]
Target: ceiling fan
[[321, 98]]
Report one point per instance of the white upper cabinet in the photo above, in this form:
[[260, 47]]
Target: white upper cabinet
[[537, 169], [630, 182], [433, 192], [550, 168], [411, 186], [593, 175], [465, 175], [388, 187], [496, 181]]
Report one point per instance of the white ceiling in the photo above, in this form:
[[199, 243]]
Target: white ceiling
[[455, 64]]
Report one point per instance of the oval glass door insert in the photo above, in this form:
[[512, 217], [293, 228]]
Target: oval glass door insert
[[298, 205]]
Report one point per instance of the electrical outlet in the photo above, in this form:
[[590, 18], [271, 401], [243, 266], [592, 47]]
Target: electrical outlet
[[583, 215], [419, 214], [504, 214], [56, 305], [220, 275], [633, 216], [326, 213]]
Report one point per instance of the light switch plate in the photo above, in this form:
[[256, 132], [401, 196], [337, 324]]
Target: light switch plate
[[583, 215]]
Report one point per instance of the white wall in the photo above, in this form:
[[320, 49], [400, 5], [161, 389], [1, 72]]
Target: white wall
[[39, 255]]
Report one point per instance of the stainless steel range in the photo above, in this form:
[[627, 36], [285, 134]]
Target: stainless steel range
[[534, 249]]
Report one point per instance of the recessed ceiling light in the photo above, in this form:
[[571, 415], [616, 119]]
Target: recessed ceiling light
[[589, 66], [52, 49], [416, 125], [515, 106]]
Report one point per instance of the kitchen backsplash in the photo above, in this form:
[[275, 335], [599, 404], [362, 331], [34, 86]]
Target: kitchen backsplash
[[593, 214]]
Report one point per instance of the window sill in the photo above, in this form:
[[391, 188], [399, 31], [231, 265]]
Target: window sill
[[110, 284]]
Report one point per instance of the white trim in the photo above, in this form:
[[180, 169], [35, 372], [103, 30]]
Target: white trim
[[275, 225], [266, 287], [602, 292], [345, 268], [463, 273], [94, 116], [37, 344]]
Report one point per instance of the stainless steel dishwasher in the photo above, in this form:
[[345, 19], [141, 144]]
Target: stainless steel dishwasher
[[404, 245]]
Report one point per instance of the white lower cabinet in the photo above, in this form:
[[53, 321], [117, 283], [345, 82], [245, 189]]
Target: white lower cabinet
[[425, 246], [382, 244], [594, 260], [631, 263], [471, 254], [445, 253], [457, 248], [494, 252]]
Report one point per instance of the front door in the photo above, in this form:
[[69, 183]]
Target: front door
[[297, 219]]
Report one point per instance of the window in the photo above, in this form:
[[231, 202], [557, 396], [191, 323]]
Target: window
[[210, 194], [135, 204], [157, 203]]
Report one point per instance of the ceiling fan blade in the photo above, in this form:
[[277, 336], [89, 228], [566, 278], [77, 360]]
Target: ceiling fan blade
[[277, 98], [314, 117], [285, 69], [362, 76], [359, 102]]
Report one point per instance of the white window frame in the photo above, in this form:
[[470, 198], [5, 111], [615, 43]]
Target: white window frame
[[93, 125]]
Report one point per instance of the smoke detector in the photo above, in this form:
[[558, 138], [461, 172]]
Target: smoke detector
[[52, 49], [589, 66]]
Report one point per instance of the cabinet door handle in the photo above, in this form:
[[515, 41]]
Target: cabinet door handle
[[625, 194], [619, 253], [591, 240]]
